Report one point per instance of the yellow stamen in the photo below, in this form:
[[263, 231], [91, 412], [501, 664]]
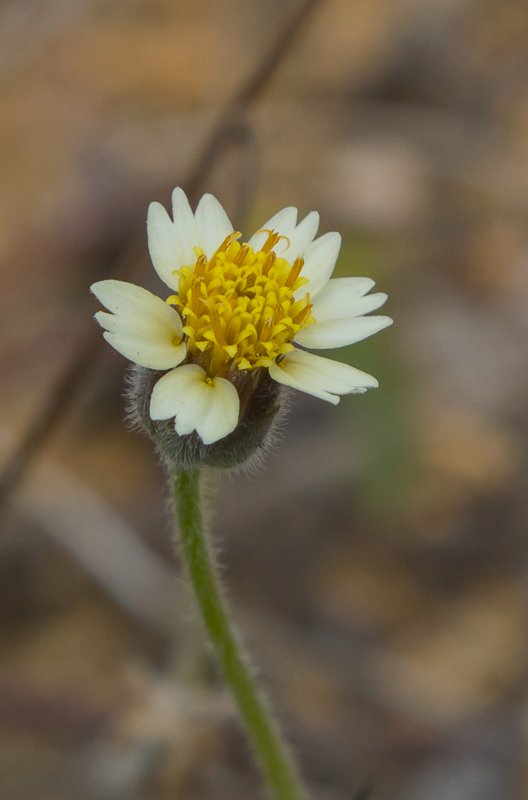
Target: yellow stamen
[[268, 263], [273, 238], [241, 255], [294, 272], [201, 264], [225, 244], [239, 307], [216, 325]]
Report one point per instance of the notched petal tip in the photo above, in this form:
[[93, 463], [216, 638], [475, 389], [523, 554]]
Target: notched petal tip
[[222, 412], [100, 317], [155, 208], [320, 259], [212, 223], [99, 287], [180, 204], [384, 322], [211, 408], [321, 377]]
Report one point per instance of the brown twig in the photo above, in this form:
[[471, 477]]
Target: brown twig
[[226, 127], [249, 91]]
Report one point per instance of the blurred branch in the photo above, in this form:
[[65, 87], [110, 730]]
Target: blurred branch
[[226, 127], [248, 92]]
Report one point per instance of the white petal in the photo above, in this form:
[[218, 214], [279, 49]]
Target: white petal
[[342, 292], [340, 332], [129, 300], [222, 413], [290, 373], [212, 224], [147, 352], [210, 408], [185, 227], [339, 305], [302, 237], [164, 244], [185, 421], [142, 328], [319, 262], [151, 329], [283, 222], [321, 377], [190, 398], [338, 377], [169, 393]]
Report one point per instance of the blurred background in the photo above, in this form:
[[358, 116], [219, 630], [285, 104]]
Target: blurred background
[[377, 564]]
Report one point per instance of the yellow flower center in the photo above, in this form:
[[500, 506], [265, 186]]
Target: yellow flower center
[[239, 307]]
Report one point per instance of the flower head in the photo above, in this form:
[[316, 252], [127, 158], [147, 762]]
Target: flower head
[[239, 316]]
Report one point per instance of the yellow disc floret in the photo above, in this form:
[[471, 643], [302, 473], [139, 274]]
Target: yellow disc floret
[[238, 308]]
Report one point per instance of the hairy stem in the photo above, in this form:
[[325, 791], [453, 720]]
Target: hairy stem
[[271, 751]]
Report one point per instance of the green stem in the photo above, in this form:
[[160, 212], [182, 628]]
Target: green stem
[[262, 728]]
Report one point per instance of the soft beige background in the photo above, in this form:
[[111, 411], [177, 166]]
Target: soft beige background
[[378, 563]]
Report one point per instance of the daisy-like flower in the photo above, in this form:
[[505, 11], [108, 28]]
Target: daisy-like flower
[[237, 310]]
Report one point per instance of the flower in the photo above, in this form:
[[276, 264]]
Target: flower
[[237, 310]]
